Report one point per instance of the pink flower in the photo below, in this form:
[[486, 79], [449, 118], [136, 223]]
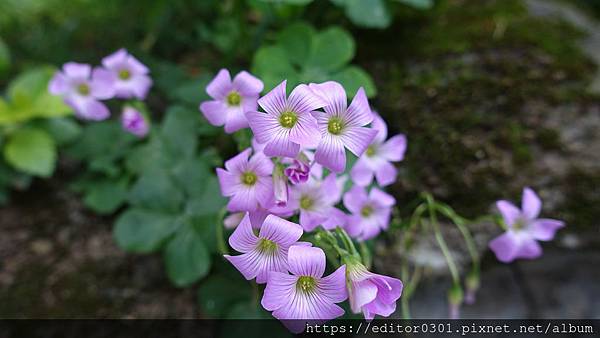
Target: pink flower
[[370, 293], [231, 99], [134, 122], [370, 213], [341, 126], [305, 295], [82, 89], [297, 172], [266, 253], [287, 124], [524, 229], [247, 182], [316, 200], [378, 157], [130, 76]]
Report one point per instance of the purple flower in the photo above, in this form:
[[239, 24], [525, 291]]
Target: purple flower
[[524, 229], [288, 123], [248, 182], [341, 126], [231, 99], [370, 214], [316, 200], [376, 159], [130, 75], [280, 186], [305, 295], [134, 122], [266, 253], [370, 293], [298, 172], [82, 88]]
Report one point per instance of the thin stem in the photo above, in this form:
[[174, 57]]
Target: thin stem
[[221, 244], [366, 255], [460, 224], [348, 243], [440, 239]]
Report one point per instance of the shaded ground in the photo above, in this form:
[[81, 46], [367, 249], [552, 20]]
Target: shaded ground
[[491, 99]]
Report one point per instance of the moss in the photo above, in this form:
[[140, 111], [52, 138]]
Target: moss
[[582, 197], [459, 86]]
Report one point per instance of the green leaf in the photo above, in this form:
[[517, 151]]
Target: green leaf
[[156, 190], [186, 257], [352, 78], [63, 130], [418, 4], [179, 132], [28, 97], [143, 231], [296, 40], [191, 176], [272, 66], [368, 13], [191, 92], [332, 48], [4, 58], [217, 293], [102, 139], [106, 196], [32, 151]]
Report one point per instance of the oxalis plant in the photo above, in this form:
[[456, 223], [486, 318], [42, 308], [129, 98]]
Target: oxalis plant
[[305, 195]]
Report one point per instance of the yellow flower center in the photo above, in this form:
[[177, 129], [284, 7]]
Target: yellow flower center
[[306, 202], [366, 211], [266, 246], [288, 119], [306, 284], [83, 89], [335, 126], [249, 178], [234, 98], [124, 74], [370, 151]]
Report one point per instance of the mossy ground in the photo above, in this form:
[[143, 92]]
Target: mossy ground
[[460, 83]]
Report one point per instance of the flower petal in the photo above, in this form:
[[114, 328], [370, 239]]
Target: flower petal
[[116, 59], [302, 100], [381, 198], [264, 126], [243, 239], [359, 113], [136, 66], [220, 86], [362, 293], [361, 173], [239, 162], [334, 96], [229, 183], [531, 204], [529, 248], [355, 199], [510, 213], [279, 290], [102, 84], [543, 229], [305, 132], [58, 85], [331, 154], [140, 85], [214, 111], [244, 199], [235, 119], [94, 110], [247, 84], [379, 124], [275, 101], [334, 285], [386, 174], [357, 139], [80, 71], [280, 231], [281, 145], [394, 149], [261, 165], [505, 246], [337, 218], [306, 261]]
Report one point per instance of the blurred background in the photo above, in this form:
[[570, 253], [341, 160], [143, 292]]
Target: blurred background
[[493, 95]]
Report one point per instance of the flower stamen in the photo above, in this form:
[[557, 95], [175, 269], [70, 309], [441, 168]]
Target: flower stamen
[[288, 119], [234, 98], [124, 74], [306, 284], [335, 126], [83, 89], [249, 178]]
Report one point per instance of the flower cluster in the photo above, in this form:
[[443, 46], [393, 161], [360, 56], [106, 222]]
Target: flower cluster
[[291, 182], [121, 76]]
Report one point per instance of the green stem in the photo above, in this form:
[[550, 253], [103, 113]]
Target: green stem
[[221, 244], [366, 255], [440, 239], [348, 243], [460, 224]]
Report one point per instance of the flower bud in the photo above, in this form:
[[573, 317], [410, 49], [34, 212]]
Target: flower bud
[[471, 285], [280, 188], [298, 172], [455, 299], [134, 122]]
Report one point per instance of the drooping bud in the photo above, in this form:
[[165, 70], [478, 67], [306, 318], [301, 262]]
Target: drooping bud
[[455, 299], [471, 285], [280, 187], [134, 122]]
